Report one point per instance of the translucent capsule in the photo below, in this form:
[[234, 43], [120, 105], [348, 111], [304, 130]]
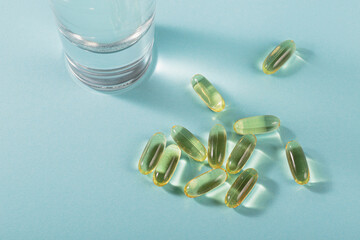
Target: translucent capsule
[[152, 153], [188, 143], [205, 182], [257, 125], [167, 165], [241, 188], [279, 56], [297, 162], [217, 146], [241, 154], [208, 93]]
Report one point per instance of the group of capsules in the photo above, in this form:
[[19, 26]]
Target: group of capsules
[[164, 160]]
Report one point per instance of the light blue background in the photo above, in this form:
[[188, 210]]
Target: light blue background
[[68, 156]]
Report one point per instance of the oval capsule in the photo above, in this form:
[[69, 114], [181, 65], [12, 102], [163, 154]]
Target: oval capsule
[[279, 56], [216, 146], [241, 188], [167, 165], [205, 182], [188, 143], [152, 153], [241, 154], [297, 162], [208, 93], [257, 125]]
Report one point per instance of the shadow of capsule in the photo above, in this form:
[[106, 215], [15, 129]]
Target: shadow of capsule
[[259, 199], [134, 165], [186, 170], [286, 135], [320, 181], [269, 143], [299, 59], [305, 54], [291, 67], [261, 54], [228, 116], [175, 190], [260, 161], [175, 186], [215, 197], [284, 167], [267, 153]]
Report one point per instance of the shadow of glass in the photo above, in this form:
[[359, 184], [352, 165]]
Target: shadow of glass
[[181, 54]]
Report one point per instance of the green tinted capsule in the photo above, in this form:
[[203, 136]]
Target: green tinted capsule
[[208, 93], [188, 143], [152, 153], [205, 182], [167, 165], [297, 162], [257, 125], [241, 154], [217, 146], [241, 188], [279, 56]]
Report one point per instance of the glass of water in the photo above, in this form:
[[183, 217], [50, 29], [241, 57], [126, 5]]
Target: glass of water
[[107, 43]]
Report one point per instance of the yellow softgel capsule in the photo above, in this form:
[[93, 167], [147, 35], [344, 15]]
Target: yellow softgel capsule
[[167, 165], [188, 143], [279, 56], [208, 93], [257, 125], [205, 182], [216, 146], [241, 188], [152, 153], [297, 162], [241, 154]]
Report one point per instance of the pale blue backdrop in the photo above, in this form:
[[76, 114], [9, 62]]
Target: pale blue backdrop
[[68, 156]]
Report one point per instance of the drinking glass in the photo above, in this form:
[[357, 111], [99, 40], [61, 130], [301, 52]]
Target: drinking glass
[[107, 43]]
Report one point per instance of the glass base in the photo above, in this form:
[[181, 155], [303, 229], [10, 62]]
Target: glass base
[[110, 79], [110, 71]]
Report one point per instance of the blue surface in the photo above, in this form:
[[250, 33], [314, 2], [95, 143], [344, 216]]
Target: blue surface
[[68, 156]]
